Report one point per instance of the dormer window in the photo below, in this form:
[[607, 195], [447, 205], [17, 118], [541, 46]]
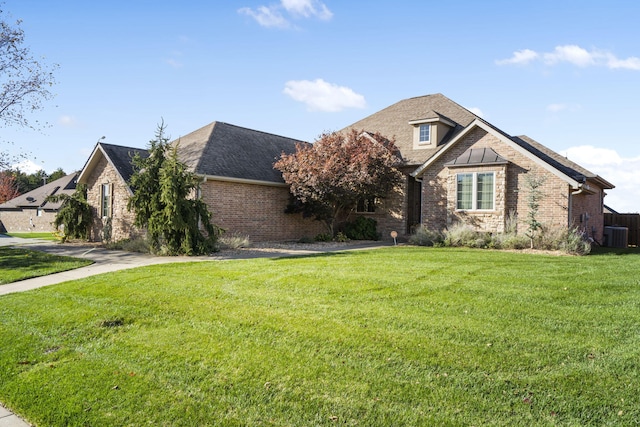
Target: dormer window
[[430, 131], [425, 133]]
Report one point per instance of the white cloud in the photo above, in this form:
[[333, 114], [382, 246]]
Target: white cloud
[[27, 166], [307, 8], [319, 95], [574, 55], [67, 121], [618, 170], [273, 17], [269, 17], [520, 57]]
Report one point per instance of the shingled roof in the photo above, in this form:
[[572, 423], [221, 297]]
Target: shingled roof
[[119, 156], [223, 150], [37, 198], [392, 122], [560, 162]]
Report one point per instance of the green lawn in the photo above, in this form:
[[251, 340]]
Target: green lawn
[[20, 264], [391, 337]]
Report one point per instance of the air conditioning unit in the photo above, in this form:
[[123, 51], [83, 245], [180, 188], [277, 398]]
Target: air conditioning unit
[[616, 237]]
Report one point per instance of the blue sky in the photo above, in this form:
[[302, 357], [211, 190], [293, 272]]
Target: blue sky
[[565, 73]]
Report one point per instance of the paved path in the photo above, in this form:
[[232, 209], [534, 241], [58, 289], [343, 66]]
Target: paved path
[[106, 261]]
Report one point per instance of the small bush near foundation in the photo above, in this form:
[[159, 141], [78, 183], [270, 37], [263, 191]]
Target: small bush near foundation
[[422, 236], [234, 241], [306, 239], [464, 235], [362, 229], [138, 244], [569, 240], [323, 237], [511, 241]]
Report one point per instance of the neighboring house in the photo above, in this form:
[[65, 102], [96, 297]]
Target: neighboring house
[[243, 191], [31, 211], [461, 169]]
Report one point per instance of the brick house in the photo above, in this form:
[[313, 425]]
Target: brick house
[[243, 191], [31, 211], [458, 168]]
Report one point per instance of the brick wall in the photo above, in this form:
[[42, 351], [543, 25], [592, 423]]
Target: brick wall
[[256, 211], [439, 189], [122, 219], [587, 213], [27, 220]]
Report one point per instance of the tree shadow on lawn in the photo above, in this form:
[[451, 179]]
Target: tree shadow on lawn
[[21, 259], [606, 251]]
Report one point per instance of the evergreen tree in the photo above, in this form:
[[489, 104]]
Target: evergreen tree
[[74, 214], [164, 202]]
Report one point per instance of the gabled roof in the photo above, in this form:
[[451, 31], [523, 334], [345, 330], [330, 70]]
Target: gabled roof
[[393, 122], [565, 169], [37, 198], [117, 155], [221, 150]]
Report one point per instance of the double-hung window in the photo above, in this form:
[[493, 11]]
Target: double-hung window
[[425, 134], [475, 191]]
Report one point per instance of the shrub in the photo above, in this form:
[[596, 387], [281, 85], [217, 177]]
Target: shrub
[[362, 229], [138, 244], [306, 239], [465, 235], [323, 237], [234, 241], [511, 241], [341, 237], [422, 236]]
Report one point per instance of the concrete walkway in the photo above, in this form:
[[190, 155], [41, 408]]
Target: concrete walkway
[[106, 261]]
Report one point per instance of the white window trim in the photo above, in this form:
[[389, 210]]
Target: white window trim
[[474, 192]]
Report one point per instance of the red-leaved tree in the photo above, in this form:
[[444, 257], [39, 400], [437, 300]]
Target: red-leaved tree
[[8, 187], [329, 176]]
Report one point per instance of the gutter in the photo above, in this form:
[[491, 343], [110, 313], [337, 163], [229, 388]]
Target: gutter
[[206, 178]]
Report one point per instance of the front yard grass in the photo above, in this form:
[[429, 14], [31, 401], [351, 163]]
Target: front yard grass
[[390, 337], [20, 264]]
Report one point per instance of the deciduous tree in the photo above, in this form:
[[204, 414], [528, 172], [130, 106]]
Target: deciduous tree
[[329, 176], [24, 81], [8, 186]]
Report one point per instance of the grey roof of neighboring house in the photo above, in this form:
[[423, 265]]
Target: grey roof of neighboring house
[[37, 198], [393, 122], [224, 150]]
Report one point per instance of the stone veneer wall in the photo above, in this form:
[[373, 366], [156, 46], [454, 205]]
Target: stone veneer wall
[[122, 219], [257, 211], [439, 190], [26, 220]]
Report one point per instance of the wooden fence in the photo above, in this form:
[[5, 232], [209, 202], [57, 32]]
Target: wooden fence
[[631, 221]]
